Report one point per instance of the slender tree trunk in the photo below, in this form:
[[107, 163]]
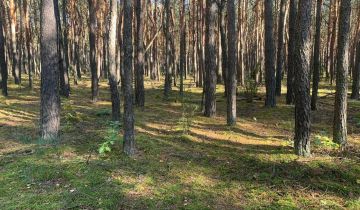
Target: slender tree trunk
[[3, 64], [317, 64], [302, 79], [66, 49], [167, 17], [224, 48], [28, 41], [92, 43], [356, 74], [340, 110], [280, 49], [270, 100], [129, 136], [14, 54], [210, 58], [50, 100], [291, 51], [231, 96], [139, 64], [182, 47], [115, 98]]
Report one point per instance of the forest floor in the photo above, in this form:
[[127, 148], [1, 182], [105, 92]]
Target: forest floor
[[212, 166]]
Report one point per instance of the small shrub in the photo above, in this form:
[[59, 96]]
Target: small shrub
[[322, 140], [112, 136], [103, 112], [251, 89], [187, 117]]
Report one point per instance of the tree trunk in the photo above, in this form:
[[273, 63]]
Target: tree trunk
[[14, 54], [291, 51], [129, 136], [139, 64], [210, 58], [356, 74], [270, 100], [224, 48], [92, 43], [28, 41], [3, 64], [50, 100], [168, 52], [280, 49], [302, 79], [115, 98], [340, 110], [182, 47], [231, 95], [317, 64], [65, 50]]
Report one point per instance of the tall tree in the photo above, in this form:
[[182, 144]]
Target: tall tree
[[3, 64], [139, 63], [270, 84], [317, 65], [291, 51], [340, 107], [223, 44], [50, 100], [129, 136], [92, 43], [115, 98], [166, 18], [302, 81], [356, 74], [210, 58], [231, 94], [182, 46], [28, 41], [14, 45], [65, 73], [280, 47]]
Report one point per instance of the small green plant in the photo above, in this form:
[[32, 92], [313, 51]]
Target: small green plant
[[187, 117], [103, 112], [251, 89], [322, 140], [111, 137]]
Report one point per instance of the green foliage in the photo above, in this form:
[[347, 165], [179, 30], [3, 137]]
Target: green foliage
[[250, 89], [322, 140], [111, 137], [103, 112], [187, 115], [71, 117]]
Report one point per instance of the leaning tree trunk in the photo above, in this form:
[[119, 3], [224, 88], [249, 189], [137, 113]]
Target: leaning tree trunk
[[92, 43], [291, 51], [3, 65], [129, 136], [115, 98], [270, 84], [231, 77], [356, 74], [210, 58], [302, 81], [50, 100], [139, 64], [280, 50], [340, 115], [316, 71]]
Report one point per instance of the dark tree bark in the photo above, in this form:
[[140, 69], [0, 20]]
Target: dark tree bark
[[167, 16], [28, 41], [210, 58], [270, 100], [317, 65], [3, 64], [224, 49], [115, 98], [280, 47], [291, 51], [182, 47], [139, 64], [50, 100], [92, 43], [65, 76], [356, 74], [231, 95], [342, 61], [129, 136], [302, 79]]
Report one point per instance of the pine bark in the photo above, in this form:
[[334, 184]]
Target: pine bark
[[291, 51], [167, 14], [342, 61], [356, 74], [140, 60], [270, 82], [302, 81], [210, 58], [115, 98], [3, 64], [50, 100], [280, 47], [129, 136], [14, 45], [182, 47], [317, 64], [92, 44], [231, 37]]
